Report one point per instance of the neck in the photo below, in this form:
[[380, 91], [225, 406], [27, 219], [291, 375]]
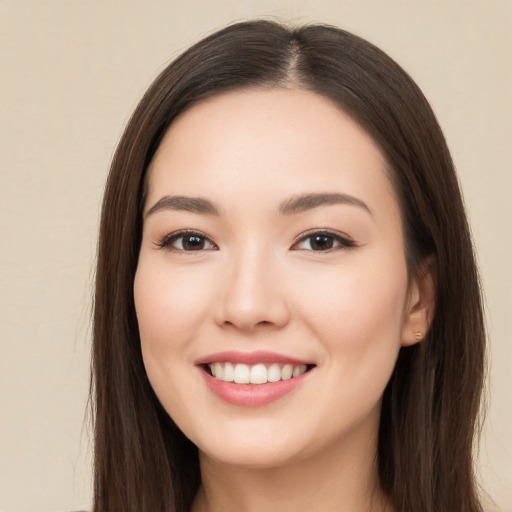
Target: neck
[[343, 479]]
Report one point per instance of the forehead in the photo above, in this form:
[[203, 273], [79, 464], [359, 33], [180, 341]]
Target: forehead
[[275, 142]]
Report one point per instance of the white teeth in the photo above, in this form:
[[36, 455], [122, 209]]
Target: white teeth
[[218, 370], [256, 374], [274, 373], [299, 370], [229, 373], [242, 375], [287, 372]]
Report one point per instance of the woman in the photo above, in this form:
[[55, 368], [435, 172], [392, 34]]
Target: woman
[[287, 305]]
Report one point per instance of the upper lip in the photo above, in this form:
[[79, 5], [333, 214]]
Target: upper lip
[[249, 358]]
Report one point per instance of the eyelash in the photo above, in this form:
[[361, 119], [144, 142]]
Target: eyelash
[[167, 241], [342, 241]]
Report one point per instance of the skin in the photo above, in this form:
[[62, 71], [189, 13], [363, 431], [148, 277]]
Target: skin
[[257, 284]]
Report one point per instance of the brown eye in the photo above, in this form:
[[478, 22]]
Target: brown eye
[[192, 242], [323, 241], [187, 241]]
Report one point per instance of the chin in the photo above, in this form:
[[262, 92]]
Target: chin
[[252, 456]]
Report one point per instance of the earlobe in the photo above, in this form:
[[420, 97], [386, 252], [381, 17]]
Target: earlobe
[[418, 335], [421, 304]]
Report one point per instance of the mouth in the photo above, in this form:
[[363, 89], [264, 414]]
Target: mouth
[[256, 374], [253, 379]]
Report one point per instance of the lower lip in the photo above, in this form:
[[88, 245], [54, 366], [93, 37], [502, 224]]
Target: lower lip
[[252, 395]]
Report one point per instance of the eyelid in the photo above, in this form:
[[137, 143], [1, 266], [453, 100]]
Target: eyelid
[[166, 241], [346, 242]]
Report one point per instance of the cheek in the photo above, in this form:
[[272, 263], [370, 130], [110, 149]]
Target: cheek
[[359, 312], [358, 320], [166, 304]]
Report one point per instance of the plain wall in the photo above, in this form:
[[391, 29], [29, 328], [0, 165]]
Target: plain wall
[[71, 72]]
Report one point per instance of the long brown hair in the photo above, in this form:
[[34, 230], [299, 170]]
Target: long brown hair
[[430, 407]]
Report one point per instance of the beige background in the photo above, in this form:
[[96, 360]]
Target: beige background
[[70, 74]]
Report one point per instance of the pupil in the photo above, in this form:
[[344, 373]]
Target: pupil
[[320, 242], [193, 243]]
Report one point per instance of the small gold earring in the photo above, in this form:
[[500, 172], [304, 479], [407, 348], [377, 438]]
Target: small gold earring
[[418, 335]]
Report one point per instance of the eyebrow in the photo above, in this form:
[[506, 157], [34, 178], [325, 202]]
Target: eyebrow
[[184, 203], [305, 202], [294, 205]]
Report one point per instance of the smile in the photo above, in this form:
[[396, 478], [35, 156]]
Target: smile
[[255, 374], [253, 379]]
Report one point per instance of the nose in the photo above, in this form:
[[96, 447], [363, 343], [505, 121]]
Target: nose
[[252, 297]]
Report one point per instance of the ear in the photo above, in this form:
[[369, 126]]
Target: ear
[[420, 306]]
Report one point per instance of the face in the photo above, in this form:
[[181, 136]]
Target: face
[[271, 292]]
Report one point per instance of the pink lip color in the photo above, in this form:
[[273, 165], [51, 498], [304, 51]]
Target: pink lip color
[[249, 358], [250, 395]]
